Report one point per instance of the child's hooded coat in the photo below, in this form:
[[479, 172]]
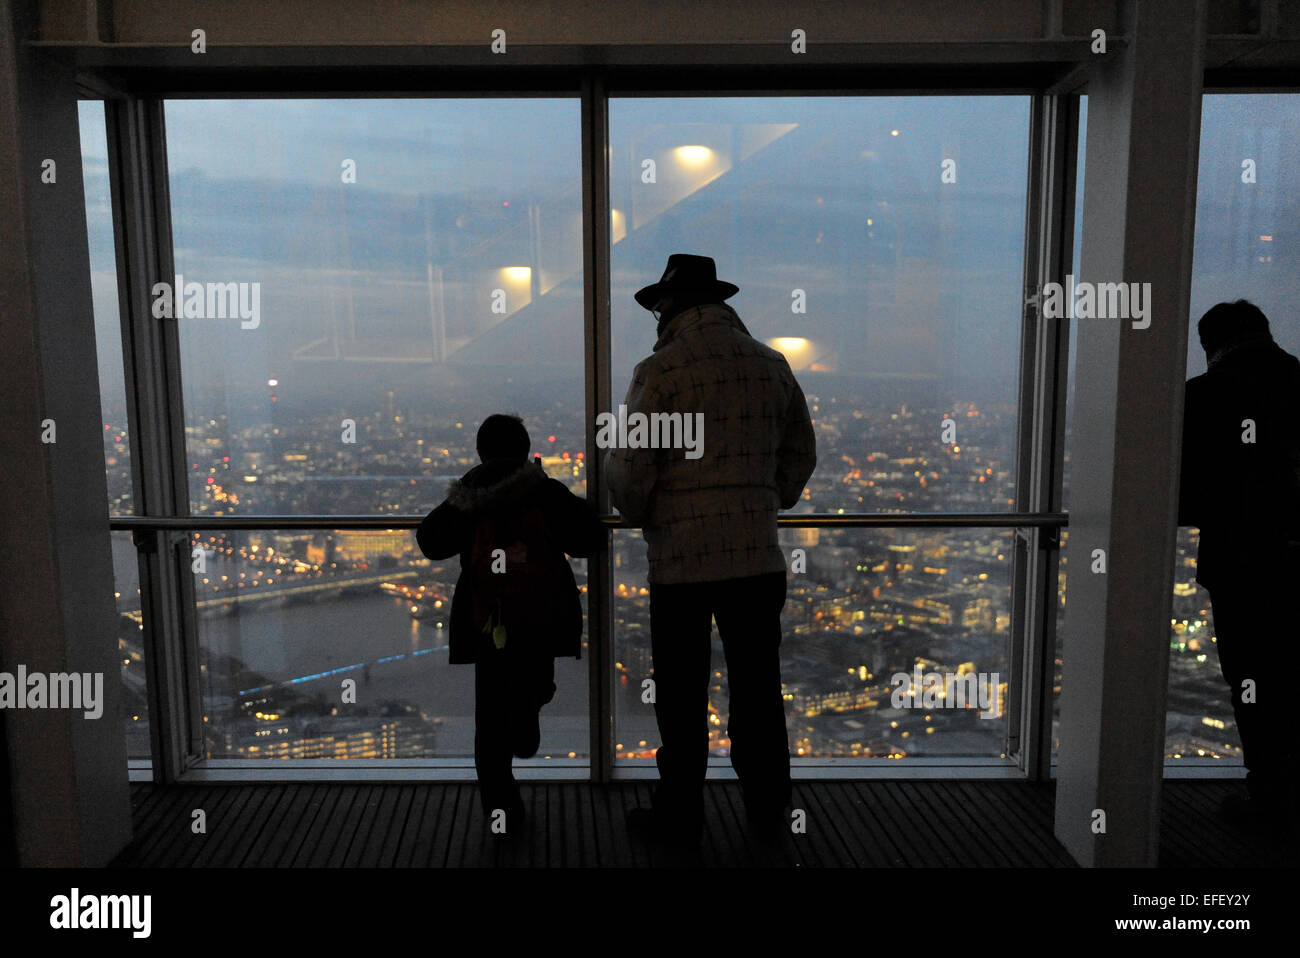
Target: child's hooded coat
[[572, 527]]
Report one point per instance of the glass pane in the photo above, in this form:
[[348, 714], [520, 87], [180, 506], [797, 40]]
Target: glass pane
[[371, 280], [1241, 253], [878, 243], [112, 399], [364, 282], [103, 287], [130, 624], [287, 619], [895, 294], [876, 611]]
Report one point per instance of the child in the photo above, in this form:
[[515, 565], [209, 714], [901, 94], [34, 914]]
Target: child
[[516, 606]]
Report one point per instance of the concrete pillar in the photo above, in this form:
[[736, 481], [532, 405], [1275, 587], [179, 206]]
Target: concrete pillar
[[70, 800], [1144, 108]]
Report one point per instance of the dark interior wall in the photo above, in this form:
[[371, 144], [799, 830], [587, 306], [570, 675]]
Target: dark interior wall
[[467, 22], [68, 781]]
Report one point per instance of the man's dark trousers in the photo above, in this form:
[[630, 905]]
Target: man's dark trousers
[[1252, 625], [748, 613]]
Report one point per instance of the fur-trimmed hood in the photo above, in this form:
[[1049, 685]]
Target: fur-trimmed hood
[[493, 483]]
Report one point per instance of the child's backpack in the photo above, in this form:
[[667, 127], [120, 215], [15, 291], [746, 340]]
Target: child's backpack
[[516, 585]]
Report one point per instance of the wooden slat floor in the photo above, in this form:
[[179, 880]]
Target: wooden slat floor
[[875, 824]]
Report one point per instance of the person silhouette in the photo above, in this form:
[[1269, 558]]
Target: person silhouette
[[1240, 485], [709, 521], [516, 606]]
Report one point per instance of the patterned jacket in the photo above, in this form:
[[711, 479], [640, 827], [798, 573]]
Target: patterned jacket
[[714, 517]]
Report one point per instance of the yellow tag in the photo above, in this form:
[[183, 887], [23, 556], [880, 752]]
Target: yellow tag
[[499, 636]]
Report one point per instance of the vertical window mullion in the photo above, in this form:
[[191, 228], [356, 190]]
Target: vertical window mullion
[[1044, 390], [142, 230], [596, 292]]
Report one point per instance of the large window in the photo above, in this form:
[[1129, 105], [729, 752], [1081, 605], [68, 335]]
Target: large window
[[1240, 252], [879, 243], [1244, 205], [361, 283]]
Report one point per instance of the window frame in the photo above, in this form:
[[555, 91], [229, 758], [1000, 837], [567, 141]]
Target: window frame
[[142, 238]]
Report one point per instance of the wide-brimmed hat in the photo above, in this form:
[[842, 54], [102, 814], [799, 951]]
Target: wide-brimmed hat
[[687, 273]]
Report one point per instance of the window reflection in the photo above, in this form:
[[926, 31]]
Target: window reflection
[[890, 280], [417, 270]]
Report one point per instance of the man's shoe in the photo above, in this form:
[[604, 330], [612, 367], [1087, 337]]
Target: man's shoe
[[767, 816], [768, 826], [641, 824]]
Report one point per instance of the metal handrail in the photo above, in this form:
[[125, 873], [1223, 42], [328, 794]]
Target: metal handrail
[[1005, 520]]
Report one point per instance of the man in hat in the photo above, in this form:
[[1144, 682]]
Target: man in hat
[[710, 524], [1241, 487]]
